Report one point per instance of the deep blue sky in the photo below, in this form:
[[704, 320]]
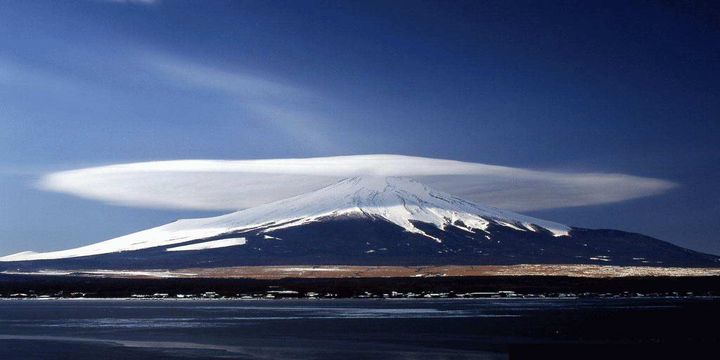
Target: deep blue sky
[[631, 87]]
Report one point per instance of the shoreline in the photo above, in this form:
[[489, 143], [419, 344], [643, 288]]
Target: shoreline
[[356, 271], [498, 286]]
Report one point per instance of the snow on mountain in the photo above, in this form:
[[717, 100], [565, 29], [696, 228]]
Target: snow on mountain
[[401, 201], [215, 244]]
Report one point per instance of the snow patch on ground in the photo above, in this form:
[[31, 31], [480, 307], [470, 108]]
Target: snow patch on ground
[[210, 245]]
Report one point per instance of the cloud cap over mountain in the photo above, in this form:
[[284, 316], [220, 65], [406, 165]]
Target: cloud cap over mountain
[[239, 184]]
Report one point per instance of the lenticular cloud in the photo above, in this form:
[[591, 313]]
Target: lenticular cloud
[[239, 184]]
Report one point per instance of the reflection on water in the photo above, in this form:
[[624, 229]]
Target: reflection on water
[[329, 329]]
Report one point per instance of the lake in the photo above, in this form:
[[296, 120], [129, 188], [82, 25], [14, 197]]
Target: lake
[[353, 328]]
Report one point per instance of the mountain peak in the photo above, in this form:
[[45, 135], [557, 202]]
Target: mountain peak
[[398, 200]]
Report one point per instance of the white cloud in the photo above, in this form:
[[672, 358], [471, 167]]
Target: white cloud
[[238, 184]]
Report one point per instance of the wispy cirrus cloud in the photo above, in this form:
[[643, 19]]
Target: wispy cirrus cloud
[[293, 110], [282, 111], [238, 184], [237, 83]]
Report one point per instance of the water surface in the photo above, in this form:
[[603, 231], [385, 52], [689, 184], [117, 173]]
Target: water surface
[[347, 329]]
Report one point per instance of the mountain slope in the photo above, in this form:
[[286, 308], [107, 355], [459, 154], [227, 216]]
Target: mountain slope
[[366, 221]]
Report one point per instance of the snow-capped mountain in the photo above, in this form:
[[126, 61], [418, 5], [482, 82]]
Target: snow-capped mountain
[[400, 201], [366, 220]]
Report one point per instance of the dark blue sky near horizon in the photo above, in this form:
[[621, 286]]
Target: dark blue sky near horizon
[[626, 87]]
